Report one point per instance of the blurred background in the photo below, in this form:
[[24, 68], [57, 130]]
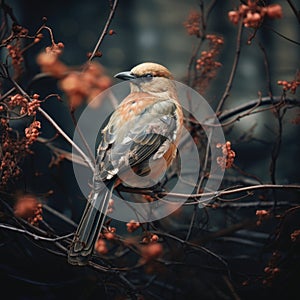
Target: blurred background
[[153, 31]]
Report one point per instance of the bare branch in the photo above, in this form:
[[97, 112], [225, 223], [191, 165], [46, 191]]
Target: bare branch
[[105, 29], [294, 9], [233, 69], [35, 236], [233, 191]]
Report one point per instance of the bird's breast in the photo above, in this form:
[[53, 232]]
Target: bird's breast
[[134, 104]]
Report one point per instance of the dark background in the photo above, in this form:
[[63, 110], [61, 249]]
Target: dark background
[[153, 31]]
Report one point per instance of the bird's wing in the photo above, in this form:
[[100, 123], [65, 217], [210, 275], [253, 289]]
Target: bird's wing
[[148, 134]]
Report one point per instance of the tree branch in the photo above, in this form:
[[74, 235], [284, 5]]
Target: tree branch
[[105, 29], [233, 69]]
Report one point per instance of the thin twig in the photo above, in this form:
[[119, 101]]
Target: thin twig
[[246, 174], [83, 139], [210, 8], [267, 70], [105, 29], [67, 138], [226, 114], [195, 246], [192, 222], [233, 191], [251, 203], [276, 146], [59, 215], [233, 70], [191, 65], [247, 113], [231, 288], [294, 9], [36, 237]]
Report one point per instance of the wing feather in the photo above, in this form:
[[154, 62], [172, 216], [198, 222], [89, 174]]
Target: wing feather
[[140, 138]]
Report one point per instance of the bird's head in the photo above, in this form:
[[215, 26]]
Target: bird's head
[[148, 77]]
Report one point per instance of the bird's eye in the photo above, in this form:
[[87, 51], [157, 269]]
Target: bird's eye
[[148, 76]]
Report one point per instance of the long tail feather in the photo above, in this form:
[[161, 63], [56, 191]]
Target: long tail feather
[[90, 226]]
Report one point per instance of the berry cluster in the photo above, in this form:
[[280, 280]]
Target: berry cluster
[[17, 100], [290, 86], [9, 160], [261, 215], [108, 234], [87, 84], [101, 246], [15, 147], [207, 59], [132, 226], [272, 270], [226, 161], [28, 108], [28, 207], [295, 235], [32, 133], [13, 45], [77, 85], [192, 24], [207, 64], [16, 55], [150, 252], [12, 151], [150, 238], [110, 207], [50, 63], [253, 14], [33, 105]]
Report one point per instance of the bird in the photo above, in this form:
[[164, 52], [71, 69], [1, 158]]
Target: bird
[[141, 136]]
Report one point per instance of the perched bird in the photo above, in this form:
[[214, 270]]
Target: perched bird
[[142, 136]]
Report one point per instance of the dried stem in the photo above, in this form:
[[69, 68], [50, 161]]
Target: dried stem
[[294, 9], [105, 29], [250, 108], [191, 66], [233, 191], [35, 236], [81, 135], [282, 36], [192, 222], [267, 70], [233, 69], [276, 146], [67, 138], [264, 101], [211, 195]]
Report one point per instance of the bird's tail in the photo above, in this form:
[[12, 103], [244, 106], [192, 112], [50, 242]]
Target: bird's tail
[[90, 226]]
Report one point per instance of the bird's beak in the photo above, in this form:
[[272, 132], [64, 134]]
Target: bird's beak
[[125, 75]]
